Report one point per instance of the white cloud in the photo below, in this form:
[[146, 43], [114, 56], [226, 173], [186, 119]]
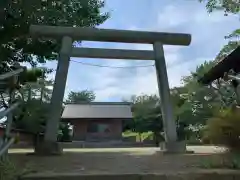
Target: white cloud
[[107, 82], [171, 16], [172, 54], [142, 47], [176, 73], [176, 15], [206, 29], [193, 18], [107, 92], [132, 28], [143, 81]]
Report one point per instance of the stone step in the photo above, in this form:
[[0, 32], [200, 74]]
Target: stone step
[[198, 175], [78, 176]]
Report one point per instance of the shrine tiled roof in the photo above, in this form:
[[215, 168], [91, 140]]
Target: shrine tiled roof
[[98, 110]]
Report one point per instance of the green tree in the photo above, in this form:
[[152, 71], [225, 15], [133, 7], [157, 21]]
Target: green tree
[[223, 129], [202, 102], [17, 46], [32, 113], [229, 7], [81, 96], [26, 82], [41, 90], [34, 116], [182, 111], [16, 16], [233, 43], [64, 132], [146, 116], [35, 105], [200, 99]]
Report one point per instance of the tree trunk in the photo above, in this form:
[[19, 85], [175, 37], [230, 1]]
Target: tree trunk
[[156, 139], [140, 137]]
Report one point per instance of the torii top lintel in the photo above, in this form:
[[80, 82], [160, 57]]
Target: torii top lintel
[[111, 35]]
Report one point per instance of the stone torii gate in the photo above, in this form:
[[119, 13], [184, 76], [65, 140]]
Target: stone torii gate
[[70, 34]]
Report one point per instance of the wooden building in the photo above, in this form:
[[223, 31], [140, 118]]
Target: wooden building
[[97, 121]]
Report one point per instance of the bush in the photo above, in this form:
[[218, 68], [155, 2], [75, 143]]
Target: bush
[[8, 170], [224, 129]]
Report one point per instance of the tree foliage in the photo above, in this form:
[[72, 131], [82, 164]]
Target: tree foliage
[[147, 115], [16, 16], [204, 102], [224, 129], [228, 6], [193, 105], [81, 96], [33, 112], [17, 46], [32, 116], [233, 43]]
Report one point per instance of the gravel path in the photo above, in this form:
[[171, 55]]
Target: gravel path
[[121, 160]]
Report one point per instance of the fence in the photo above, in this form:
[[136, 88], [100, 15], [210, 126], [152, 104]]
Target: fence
[[6, 80]]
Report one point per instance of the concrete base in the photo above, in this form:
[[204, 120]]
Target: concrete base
[[48, 148], [173, 147]]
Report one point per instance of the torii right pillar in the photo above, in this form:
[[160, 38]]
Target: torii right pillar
[[171, 145]]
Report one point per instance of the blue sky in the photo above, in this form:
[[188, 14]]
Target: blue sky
[[183, 16]]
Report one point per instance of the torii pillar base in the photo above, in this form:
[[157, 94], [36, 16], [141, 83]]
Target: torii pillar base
[[176, 147], [47, 148]]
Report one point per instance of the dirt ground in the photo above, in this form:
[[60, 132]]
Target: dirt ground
[[102, 161]]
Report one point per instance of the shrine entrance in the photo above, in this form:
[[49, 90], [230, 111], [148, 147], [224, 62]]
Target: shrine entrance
[[70, 34]]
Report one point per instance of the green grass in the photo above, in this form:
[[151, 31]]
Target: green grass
[[138, 136]]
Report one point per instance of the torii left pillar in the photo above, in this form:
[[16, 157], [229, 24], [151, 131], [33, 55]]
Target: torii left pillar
[[50, 145]]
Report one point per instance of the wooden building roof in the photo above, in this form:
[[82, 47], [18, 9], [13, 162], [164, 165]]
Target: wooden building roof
[[232, 61]]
